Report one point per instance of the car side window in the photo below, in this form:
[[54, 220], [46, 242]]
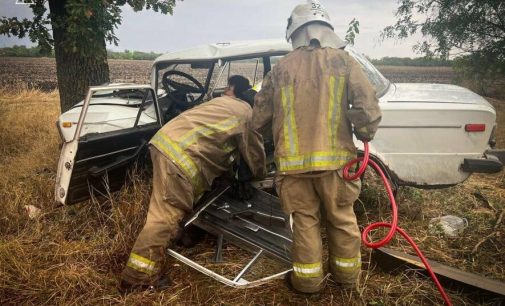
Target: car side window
[[113, 110], [250, 68]]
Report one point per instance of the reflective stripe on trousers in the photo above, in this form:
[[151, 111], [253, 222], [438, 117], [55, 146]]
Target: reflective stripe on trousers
[[347, 264], [142, 264], [307, 270]]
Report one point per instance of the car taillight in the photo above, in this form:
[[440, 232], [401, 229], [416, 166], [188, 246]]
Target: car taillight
[[475, 127]]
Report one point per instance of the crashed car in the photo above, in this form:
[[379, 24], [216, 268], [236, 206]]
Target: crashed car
[[430, 136]]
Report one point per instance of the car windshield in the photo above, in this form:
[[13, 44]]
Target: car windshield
[[118, 96], [198, 70], [125, 97], [379, 82]]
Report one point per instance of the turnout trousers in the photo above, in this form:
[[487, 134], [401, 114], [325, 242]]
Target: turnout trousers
[[302, 196], [171, 198]]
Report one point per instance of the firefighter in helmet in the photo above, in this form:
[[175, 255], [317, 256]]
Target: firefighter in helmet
[[315, 98], [188, 153]]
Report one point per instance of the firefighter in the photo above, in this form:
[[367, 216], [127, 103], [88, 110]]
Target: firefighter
[[312, 98], [188, 153]]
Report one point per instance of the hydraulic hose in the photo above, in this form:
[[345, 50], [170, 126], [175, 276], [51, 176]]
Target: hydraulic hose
[[393, 226]]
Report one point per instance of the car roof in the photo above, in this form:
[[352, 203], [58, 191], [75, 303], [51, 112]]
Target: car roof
[[227, 50]]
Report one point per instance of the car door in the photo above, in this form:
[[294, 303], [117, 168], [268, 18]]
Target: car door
[[114, 126]]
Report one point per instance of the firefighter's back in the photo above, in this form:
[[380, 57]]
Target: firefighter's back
[[202, 141], [310, 127]]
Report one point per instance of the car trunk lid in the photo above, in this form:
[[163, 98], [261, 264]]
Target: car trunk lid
[[435, 93]]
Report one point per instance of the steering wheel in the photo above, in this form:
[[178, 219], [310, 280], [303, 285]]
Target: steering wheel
[[178, 91]]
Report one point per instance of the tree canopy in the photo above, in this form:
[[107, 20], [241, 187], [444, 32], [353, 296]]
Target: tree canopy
[[84, 21], [473, 30], [78, 31], [466, 25]]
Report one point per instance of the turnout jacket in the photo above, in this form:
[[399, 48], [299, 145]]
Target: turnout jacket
[[310, 98], [204, 141]]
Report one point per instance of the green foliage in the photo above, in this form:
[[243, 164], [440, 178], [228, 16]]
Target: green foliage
[[352, 31], [474, 29], [407, 61], [481, 69], [37, 29], [23, 51], [132, 55], [86, 23]]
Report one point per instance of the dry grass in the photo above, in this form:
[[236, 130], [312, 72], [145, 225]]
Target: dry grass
[[73, 255]]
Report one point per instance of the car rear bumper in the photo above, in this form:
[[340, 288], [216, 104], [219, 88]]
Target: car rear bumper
[[488, 164]]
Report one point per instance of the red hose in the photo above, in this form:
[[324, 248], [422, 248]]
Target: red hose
[[393, 226]]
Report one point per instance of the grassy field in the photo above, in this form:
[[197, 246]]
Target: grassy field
[[73, 255]]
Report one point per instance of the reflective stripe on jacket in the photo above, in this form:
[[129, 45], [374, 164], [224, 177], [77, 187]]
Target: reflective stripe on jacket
[[310, 98], [205, 140]]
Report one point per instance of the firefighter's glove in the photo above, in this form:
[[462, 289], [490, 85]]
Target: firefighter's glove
[[243, 190], [362, 134]]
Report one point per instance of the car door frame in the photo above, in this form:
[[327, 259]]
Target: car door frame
[[69, 149]]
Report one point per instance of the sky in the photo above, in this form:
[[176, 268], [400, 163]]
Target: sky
[[198, 22]]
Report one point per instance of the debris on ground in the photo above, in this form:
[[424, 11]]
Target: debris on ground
[[450, 226]]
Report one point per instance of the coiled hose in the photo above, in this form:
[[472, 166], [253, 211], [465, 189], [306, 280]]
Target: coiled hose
[[393, 226]]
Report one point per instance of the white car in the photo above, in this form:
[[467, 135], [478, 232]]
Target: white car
[[431, 135]]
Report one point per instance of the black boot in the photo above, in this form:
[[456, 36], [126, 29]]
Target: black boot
[[126, 287], [314, 296]]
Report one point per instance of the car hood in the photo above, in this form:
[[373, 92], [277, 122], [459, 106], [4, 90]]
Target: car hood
[[434, 93]]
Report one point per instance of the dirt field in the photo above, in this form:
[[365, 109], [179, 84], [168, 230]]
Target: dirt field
[[73, 255], [40, 72]]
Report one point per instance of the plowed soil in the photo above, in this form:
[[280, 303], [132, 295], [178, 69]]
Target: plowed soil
[[41, 72]]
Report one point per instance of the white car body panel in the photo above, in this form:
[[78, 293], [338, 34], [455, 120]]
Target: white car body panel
[[101, 119], [421, 139], [64, 173], [424, 142]]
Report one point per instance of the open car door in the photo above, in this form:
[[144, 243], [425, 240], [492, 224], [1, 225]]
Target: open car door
[[110, 129]]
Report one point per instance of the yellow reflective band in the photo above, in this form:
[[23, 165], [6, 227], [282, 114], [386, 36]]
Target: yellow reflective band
[[192, 136], [307, 270], [257, 87], [177, 154], [331, 110], [290, 131], [334, 111], [314, 160], [141, 264], [347, 263]]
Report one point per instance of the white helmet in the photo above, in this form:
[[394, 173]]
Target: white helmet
[[303, 14]]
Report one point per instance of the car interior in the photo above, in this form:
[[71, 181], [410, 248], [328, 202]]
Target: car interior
[[181, 86]]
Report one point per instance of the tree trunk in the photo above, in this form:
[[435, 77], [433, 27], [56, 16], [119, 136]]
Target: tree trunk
[[75, 71]]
